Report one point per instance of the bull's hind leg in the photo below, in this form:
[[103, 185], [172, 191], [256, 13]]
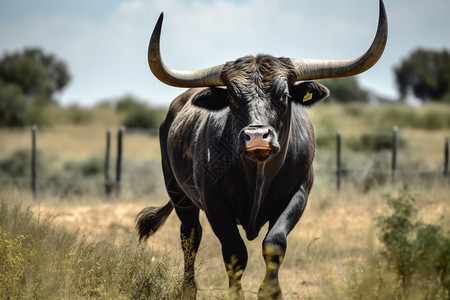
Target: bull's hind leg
[[191, 235]]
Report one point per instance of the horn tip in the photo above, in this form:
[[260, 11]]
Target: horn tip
[[382, 8]]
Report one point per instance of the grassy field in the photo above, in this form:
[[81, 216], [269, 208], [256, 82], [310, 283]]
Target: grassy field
[[335, 238], [333, 253]]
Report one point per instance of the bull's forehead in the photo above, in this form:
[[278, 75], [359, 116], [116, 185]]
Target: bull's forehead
[[253, 90], [258, 75], [254, 103]]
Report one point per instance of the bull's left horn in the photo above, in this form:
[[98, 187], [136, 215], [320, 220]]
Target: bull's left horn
[[197, 78], [308, 69]]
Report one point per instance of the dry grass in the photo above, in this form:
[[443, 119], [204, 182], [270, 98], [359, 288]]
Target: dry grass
[[335, 232], [80, 142]]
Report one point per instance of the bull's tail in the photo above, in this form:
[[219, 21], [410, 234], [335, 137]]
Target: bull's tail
[[150, 219]]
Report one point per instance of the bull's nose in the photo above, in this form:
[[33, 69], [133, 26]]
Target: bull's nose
[[258, 138]]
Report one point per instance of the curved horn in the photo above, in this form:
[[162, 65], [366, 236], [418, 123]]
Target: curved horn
[[197, 78], [308, 69]]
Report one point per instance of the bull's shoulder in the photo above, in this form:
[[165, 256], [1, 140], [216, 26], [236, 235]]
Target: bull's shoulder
[[184, 122]]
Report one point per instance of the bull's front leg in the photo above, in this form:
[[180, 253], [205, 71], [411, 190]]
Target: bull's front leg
[[275, 242]]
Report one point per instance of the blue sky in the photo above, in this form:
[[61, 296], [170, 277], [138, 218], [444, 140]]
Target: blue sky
[[104, 42]]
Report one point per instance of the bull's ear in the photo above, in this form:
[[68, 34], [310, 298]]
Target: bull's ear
[[213, 98], [308, 92]]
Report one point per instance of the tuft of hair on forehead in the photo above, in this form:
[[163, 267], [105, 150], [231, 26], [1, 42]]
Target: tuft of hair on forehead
[[261, 70]]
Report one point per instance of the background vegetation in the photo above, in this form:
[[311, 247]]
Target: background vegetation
[[425, 73]]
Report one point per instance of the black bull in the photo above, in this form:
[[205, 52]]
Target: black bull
[[239, 145]]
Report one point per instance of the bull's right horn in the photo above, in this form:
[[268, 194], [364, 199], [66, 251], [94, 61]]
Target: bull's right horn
[[187, 79]]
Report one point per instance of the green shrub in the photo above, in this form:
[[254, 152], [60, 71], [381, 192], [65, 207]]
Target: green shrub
[[78, 115], [128, 103], [91, 167], [374, 141], [432, 119], [142, 118], [435, 120], [354, 110], [412, 263], [77, 178], [138, 114], [419, 253], [17, 165]]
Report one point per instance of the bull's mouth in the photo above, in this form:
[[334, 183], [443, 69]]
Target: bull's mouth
[[258, 154]]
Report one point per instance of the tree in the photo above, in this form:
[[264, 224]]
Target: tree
[[345, 90], [28, 81], [425, 73], [13, 106], [35, 72]]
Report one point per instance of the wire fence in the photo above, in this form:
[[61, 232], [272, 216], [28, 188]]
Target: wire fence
[[385, 149]]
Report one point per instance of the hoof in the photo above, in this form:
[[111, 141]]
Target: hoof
[[234, 294], [270, 292], [189, 292]]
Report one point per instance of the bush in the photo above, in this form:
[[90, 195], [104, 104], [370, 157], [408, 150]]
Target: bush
[[77, 178], [142, 118], [413, 262], [78, 115], [418, 252], [91, 167], [435, 120], [374, 142], [17, 166], [128, 103], [139, 115], [432, 118]]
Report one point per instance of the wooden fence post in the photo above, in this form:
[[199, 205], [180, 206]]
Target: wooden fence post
[[394, 154], [34, 162], [119, 161], [446, 150], [108, 184], [338, 160]]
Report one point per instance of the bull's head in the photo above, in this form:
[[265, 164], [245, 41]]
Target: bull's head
[[260, 90]]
